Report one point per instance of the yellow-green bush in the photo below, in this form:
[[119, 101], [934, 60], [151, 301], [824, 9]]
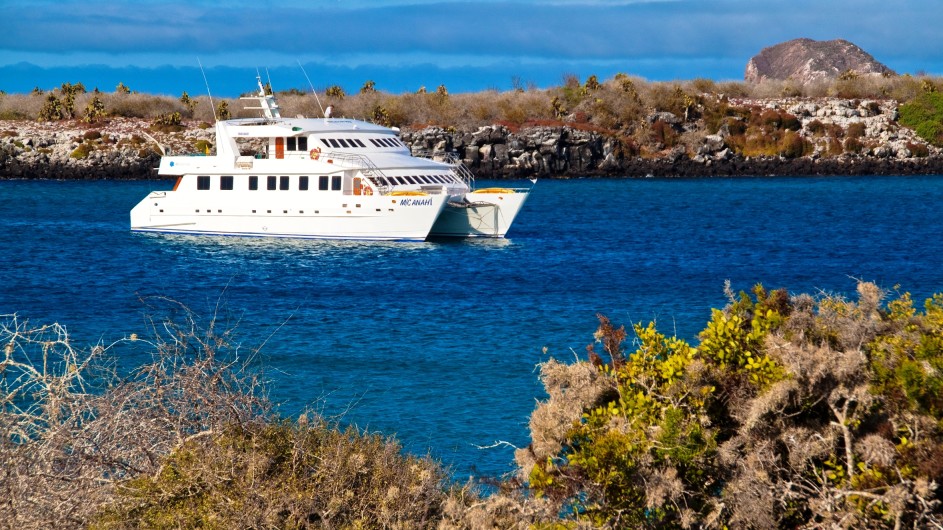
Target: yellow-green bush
[[790, 413]]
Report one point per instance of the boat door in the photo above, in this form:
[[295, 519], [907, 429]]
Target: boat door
[[358, 185], [279, 147]]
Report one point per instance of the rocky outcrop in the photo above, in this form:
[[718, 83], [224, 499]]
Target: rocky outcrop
[[806, 61], [121, 149], [884, 147]]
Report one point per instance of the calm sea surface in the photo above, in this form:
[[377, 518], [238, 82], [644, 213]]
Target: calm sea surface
[[437, 342]]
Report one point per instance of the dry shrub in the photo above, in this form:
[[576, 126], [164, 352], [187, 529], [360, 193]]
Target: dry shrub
[[72, 429], [264, 475], [138, 105], [506, 509], [571, 389]]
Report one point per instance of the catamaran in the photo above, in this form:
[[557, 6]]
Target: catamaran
[[321, 178]]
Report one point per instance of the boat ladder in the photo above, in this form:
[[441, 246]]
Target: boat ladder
[[363, 163]]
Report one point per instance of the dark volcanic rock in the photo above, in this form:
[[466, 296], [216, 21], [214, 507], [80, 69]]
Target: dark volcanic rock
[[806, 60]]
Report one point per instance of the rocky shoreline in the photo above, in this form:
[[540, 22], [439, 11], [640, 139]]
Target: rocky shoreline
[[124, 148]]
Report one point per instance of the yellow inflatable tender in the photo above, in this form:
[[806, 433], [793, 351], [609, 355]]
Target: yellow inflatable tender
[[494, 190]]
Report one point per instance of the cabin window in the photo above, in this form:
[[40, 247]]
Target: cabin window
[[253, 182], [409, 179], [203, 182], [389, 143], [283, 182], [375, 142], [303, 183], [225, 182], [324, 141], [323, 183], [400, 180], [343, 142], [333, 142], [270, 183], [361, 144], [291, 144], [303, 143], [336, 183]]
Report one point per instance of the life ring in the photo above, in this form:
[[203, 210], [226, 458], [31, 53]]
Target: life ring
[[315, 153], [367, 190]]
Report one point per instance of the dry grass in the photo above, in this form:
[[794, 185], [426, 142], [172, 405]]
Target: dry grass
[[618, 104]]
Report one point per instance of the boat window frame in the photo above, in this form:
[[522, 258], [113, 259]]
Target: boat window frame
[[336, 182], [284, 183], [253, 182], [334, 143], [302, 143], [343, 143], [226, 182], [203, 182], [291, 143], [303, 183], [324, 183], [359, 143], [271, 183]]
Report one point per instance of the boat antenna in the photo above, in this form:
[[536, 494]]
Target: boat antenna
[[270, 86], [313, 91], [207, 83]]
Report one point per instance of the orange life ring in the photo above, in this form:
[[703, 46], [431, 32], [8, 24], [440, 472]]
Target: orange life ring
[[367, 190], [315, 153]]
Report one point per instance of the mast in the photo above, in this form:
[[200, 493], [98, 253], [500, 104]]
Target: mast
[[267, 103]]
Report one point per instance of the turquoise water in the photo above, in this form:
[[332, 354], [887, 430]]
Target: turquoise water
[[438, 342]]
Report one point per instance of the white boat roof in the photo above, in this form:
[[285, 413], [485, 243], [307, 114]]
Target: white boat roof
[[268, 127]]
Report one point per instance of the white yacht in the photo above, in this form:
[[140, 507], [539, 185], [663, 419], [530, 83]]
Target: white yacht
[[325, 178]]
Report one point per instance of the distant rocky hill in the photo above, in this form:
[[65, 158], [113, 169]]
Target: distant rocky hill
[[806, 60]]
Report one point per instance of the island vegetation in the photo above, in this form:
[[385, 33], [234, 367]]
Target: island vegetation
[[791, 411], [619, 126]]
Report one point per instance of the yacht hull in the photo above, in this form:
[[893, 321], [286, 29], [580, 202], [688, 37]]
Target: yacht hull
[[481, 214], [374, 218]]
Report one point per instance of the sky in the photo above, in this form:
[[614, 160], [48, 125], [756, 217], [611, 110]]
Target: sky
[[402, 45]]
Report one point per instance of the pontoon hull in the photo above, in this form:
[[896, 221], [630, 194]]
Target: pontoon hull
[[482, 214]]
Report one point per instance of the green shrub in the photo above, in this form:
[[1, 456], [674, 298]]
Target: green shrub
[[94, 111], [82, 151], [52, 109], [924, 115], [202, 146]]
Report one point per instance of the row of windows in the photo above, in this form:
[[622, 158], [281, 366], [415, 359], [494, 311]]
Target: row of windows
[[415, 179], [355, 142], [296, 144], [325, 183]]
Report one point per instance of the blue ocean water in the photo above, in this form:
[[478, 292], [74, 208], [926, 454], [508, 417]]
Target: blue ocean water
[[437, 342]]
